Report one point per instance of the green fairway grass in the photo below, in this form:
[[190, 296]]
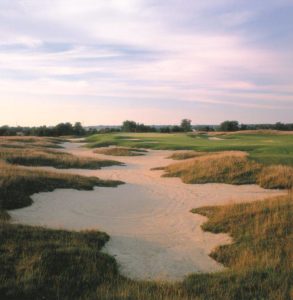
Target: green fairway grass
[[267, 148]]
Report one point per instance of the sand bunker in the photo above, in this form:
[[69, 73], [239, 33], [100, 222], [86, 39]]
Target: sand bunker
[[153, 234]]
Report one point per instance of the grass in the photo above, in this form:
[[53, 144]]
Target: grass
[[25, 142], [276, 177], [182, 155], [233, 168], [267, 147], [35, 152], [121, 151], [38, 263], [226, 167]]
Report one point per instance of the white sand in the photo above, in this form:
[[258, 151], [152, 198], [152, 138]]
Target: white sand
[[153, 234]]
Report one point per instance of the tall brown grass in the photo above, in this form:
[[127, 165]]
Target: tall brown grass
[[231, 167], [35, 152], [226, 167], [278, 176], [182, 155], [121, 151]]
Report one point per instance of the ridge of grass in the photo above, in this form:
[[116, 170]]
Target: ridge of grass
[[121, 151], [182, 155], [35, 152]]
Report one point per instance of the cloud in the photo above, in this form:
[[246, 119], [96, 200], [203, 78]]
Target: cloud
[[191, 51]]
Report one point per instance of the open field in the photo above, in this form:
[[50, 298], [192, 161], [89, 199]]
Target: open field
[[268, 147]]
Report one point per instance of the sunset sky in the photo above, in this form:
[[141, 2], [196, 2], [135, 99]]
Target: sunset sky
[[152, 61]]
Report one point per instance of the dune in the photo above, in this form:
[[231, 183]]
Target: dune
[[153, 234]]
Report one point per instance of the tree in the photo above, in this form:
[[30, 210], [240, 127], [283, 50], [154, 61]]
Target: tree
[[280, 126], [78, 129], [176, 128], [63, 129], [186, 125], [229, 126], [129, 126]]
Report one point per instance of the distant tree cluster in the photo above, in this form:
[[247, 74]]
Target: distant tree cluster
[[58, 130], [235, 126], [229, 126], [132, 126]]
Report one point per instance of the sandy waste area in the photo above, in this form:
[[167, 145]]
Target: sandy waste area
[[153, 234]]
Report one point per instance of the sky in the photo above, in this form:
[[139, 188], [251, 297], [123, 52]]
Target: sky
[[152, 61]]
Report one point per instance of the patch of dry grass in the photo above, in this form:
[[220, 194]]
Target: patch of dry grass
[[121, 151], [276, 177], [182, 155], [36, 152], [225, 167], [232, 167]]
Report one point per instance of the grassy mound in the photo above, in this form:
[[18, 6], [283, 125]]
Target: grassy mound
[[121, 151], [276, 177], [60, 160], [232, 168], [38, 263], [182, 155]]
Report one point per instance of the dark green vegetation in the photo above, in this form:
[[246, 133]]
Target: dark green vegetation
[[268, 147], [60, 129], [76, 129]]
